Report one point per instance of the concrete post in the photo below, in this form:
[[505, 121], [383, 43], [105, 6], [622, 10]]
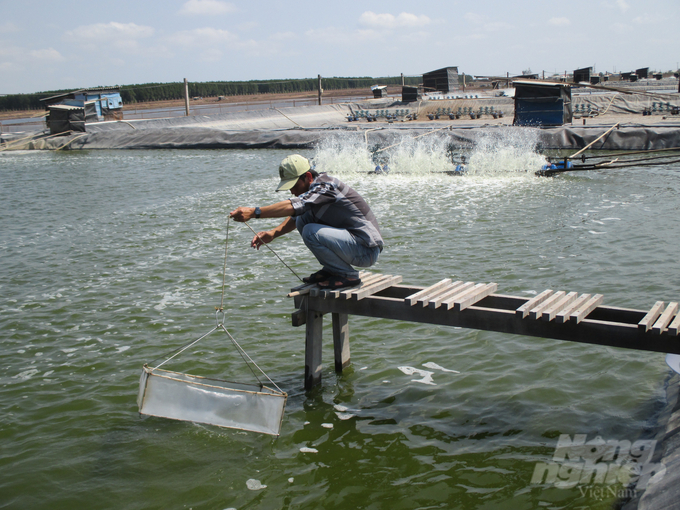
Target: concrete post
[[186, 95]]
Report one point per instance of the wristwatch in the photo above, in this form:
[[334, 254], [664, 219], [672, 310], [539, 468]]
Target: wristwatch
[[257, 212]]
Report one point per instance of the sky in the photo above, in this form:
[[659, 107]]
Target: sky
[[50, 45]]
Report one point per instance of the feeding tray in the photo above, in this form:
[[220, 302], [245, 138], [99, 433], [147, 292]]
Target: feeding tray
[[186, 397]]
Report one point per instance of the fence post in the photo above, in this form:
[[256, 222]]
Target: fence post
[[186, 95], [320, 89]]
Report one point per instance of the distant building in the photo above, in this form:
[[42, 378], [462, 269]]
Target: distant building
[[642, 73], [379, 91], [542, 104], [70, 111], [583, 75], [442, 80]]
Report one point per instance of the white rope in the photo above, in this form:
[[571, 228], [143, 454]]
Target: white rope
[[220, 325]]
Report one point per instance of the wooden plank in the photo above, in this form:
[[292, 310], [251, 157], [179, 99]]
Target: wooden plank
[[318, 291], [300, 290], [425, 300], [648, 320], [450, 302], [375, 287], [472, 298], [582, 312], [341, 341], [666, 317], [456, 288], [413, 298], [523, 310], [563, 315], [365, 281], [549, 313], [298, 318], [537, 311], [674, 327]]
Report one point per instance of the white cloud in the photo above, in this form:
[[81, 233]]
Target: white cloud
[[389, 21], [105, 32], [623, 5], [559, 22], [9, 28], [645, 19], [49, 54], [474, 17], [204, 37], [498, 26], [283, 36], [207, 7]]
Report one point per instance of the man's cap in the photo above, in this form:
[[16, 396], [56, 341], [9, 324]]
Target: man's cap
[[291, 169]]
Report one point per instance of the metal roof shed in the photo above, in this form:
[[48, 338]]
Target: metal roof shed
[[63, 118], [444, 80], [542, 104], [106, 102]]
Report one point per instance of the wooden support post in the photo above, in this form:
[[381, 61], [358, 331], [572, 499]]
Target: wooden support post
[[341, 341], [313, 337], [186, 95], [320, 89]]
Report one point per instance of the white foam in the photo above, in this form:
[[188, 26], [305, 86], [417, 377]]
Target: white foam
[[255, 485], [434, 366], [426, 376], [304, 449], [26, 374]]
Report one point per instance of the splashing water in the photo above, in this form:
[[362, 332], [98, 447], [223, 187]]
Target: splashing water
[[511, 150], [498, 152]]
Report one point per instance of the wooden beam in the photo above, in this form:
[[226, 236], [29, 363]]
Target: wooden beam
[[583, 310], [602, 330], [523, 310], [537, 311], [313, 338], [341, 341], [413, 299], [661, 324], [648, 320]]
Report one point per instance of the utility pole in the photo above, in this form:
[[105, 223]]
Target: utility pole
[[186, 95]]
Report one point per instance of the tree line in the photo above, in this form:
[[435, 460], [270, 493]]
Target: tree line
[[169, 91]]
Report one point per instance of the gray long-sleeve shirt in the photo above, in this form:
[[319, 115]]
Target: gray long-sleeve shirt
[[334, 203]]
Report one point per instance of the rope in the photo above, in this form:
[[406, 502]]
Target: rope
[[244, 355], [224, 269], [270, 249]]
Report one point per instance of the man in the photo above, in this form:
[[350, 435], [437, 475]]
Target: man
[[335, 222]]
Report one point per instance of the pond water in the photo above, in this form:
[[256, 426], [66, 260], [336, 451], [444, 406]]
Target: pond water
[[111, 259]]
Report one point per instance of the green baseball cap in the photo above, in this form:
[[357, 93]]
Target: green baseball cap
[[291, 169]]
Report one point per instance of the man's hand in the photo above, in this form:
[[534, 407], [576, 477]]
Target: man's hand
[[261, 238], [242, 214]]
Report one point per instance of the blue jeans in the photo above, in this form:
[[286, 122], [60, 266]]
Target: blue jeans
[[336, 249]]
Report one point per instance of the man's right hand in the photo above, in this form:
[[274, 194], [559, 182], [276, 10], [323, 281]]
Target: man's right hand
[[261, 238]]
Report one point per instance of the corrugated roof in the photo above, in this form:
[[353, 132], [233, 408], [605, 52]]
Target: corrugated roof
[[64, 107], [98, 90]]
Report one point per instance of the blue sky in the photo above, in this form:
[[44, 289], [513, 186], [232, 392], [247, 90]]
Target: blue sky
[[70, 44]]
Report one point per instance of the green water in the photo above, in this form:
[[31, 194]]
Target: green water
[[111, 259]]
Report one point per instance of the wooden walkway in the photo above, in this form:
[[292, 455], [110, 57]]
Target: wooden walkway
[[561, 315]]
